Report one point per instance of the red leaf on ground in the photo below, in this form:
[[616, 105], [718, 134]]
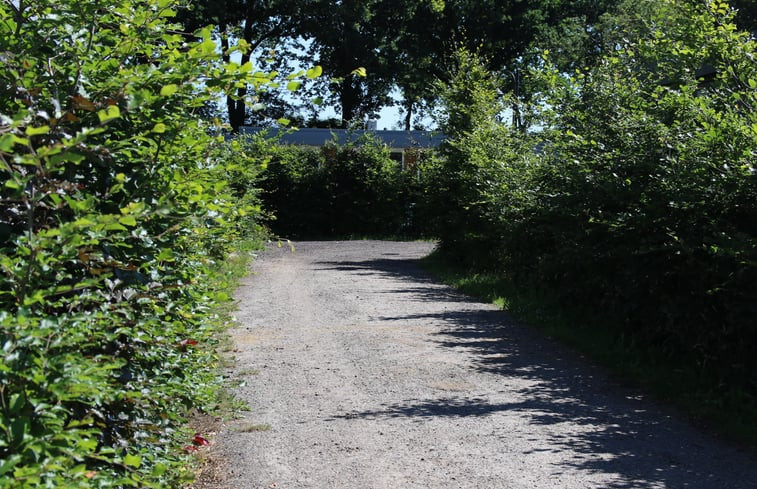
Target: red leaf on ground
[[200, 440]]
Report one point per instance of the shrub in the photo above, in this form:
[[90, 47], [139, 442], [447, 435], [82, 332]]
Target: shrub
[[340, 191], [641, 204], [115, 207], [645, 202]]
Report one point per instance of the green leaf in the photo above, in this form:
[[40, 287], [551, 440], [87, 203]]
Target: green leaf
[[283, 121], [8, 464], [18, 140], [67, 156], [360, 72], [35, 131], [159, 128], [128, 220], [318, 101], [314, 72], [108, 114], [16, 403], [12, 184], [133, 461], [87, 445], [169, 90], [292, 86], [6, 142], [19, 428]]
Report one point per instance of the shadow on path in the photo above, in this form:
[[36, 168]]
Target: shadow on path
[[421, 284], [614, 431]]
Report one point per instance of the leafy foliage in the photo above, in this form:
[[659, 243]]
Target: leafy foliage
[[115, 208], [339, 191], [636, 200]]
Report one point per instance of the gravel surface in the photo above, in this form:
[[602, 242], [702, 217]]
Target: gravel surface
[[363, 372]]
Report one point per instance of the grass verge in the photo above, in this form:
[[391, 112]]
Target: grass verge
[[223, 405], [680, 383]]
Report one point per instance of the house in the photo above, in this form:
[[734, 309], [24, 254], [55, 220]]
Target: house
[[405, 146]]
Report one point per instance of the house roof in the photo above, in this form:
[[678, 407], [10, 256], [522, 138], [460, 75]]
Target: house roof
[[319, 137]]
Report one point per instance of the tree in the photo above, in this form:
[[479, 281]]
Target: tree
[[115, 204], [345, 39], [256, 23], [369, 47], [471, 105], [501, 33]]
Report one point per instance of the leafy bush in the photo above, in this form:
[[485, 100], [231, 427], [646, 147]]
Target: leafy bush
[[483, 162], [640, 204], [115, 208], [650, 191], [339, 191]]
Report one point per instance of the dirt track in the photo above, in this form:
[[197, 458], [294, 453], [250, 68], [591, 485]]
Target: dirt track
[[371, 375]]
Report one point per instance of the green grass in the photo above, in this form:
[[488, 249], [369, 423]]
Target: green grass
[[680, 383], [230, 271]]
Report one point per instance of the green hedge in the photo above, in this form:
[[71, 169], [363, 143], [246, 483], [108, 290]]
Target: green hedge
[[637, 199], [115, 212], [341, 191]]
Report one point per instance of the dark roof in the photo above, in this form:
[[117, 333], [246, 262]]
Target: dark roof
[[319, 137]]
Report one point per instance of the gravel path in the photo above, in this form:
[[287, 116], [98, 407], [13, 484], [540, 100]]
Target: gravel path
[[362, 372]]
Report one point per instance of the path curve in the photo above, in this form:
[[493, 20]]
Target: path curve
[[363, 372]]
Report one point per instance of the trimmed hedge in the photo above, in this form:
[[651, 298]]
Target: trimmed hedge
[[342, 191], [115, 211]]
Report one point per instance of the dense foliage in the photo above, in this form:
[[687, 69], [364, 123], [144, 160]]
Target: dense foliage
[[341, 191], [637, 198], [402, 46], [116, 207]]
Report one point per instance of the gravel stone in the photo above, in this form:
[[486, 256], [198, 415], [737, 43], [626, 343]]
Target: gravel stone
[[372, 375]]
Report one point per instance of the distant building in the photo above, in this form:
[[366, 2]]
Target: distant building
[[405, 146]]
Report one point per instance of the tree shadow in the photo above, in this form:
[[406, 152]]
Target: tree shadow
[[619, 431], [421, 285]]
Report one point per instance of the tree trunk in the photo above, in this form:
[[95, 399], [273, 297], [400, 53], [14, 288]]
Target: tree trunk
[[347, 98], [231, 103], [408, 114], [237, 109]]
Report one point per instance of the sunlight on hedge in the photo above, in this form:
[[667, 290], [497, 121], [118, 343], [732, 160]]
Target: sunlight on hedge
[[116, 208]]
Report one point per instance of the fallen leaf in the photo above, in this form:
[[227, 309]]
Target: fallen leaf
[[200, 440]]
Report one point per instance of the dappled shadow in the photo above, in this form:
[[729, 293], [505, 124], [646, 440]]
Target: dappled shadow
[[616, 431], [421, 285], [452, 407], [402, 268]]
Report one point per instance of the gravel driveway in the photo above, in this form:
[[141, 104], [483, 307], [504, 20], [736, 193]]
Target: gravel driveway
[[363, 372]]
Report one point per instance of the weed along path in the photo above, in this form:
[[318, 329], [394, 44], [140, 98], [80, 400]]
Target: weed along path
[[362, 372]]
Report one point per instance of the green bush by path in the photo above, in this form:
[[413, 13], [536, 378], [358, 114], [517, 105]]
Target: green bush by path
[[116, 207], [640, 204], [352, 190]]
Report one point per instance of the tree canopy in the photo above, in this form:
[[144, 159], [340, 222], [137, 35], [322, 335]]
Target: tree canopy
[[368, 48]]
